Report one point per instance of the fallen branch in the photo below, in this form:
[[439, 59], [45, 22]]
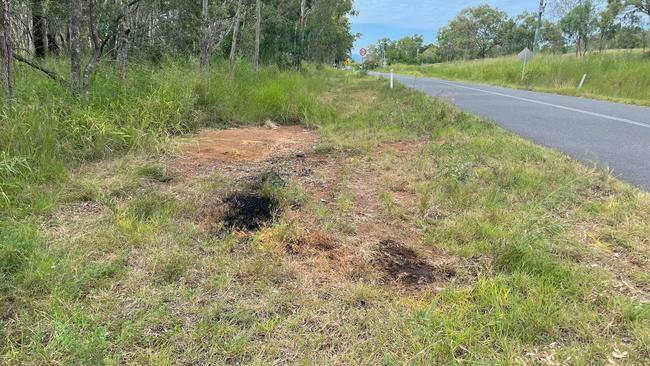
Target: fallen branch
[[51, 74]]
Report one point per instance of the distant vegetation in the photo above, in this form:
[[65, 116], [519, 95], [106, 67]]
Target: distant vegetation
[[622, 76], [558, 27]]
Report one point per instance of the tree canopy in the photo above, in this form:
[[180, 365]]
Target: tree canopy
[[560, 25]]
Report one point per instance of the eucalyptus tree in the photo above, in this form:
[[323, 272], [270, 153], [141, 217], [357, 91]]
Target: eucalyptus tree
[[6, 51], [474, 31], [580, 23]]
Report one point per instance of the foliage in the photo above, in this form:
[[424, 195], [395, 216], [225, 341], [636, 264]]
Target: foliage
[[617, 75], [406, 50], [47, 132], [485, 31], [473, 32], [580, 23]]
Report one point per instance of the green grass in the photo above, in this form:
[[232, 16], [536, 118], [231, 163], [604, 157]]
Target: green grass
[[102, 260], [622, 76], [47, 131]]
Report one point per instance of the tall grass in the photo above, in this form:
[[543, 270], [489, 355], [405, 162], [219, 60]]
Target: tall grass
[[47, 131], [623, 76]]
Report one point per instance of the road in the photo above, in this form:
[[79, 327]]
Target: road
[[610, 134]]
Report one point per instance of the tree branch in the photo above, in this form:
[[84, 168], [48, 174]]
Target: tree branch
[[51, 74]]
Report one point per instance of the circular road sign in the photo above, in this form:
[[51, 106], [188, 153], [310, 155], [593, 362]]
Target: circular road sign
[[363, 52]]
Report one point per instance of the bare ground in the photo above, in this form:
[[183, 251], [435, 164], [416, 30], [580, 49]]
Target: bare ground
[[371, 236]]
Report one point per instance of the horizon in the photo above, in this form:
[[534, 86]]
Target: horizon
[[379, 19]]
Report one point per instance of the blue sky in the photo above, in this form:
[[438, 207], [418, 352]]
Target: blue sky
[[398, 18]]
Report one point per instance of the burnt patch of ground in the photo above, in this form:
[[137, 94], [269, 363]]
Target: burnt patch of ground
[[248, 208], [402, 264]]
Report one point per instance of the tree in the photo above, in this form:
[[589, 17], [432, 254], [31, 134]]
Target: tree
[[284, 31], [125, 30], [302, 25], [642, 6], [39, 28], [551, 38], [205, 36], [258, 31], [630, 33], [328, 37], [430, 55], [580, 24], [76, 19], [538, 25], [97, 45], [235, 31], [474, 31], [517, 34], [6, 50], [607, 23]]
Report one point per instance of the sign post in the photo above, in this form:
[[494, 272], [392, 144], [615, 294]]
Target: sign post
[[363, 52], [525, 56]]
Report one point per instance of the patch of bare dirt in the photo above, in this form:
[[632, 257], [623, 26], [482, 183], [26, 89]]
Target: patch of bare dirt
[[338, 244], [221, 148], [312, 242]]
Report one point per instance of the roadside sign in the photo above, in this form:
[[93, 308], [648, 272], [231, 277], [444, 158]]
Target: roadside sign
[[526, 55], [363, 52]]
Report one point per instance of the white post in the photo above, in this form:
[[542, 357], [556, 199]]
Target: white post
[[523, 68], [582, 82], [391, 78]]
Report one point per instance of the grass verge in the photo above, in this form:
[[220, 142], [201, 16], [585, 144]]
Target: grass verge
[[409, 232], [621, 77]]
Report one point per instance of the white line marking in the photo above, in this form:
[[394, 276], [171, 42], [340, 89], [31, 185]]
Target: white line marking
[[640, 124]]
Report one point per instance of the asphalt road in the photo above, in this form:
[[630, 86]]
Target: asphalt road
[[614, 135]]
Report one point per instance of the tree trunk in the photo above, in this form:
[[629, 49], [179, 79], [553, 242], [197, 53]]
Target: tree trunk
[[301, 34], [52, 42], [39, 29], [235, 33], [76, 14], [124, 42], [6, 50], [538, 26], [97, 49], [258, 30], [205, 38]]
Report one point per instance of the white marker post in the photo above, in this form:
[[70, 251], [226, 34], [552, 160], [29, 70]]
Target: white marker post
[[582, 82], [391, 78], [523, 68]]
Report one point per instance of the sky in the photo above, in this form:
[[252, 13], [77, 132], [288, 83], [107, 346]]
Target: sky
[[397, 18]]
